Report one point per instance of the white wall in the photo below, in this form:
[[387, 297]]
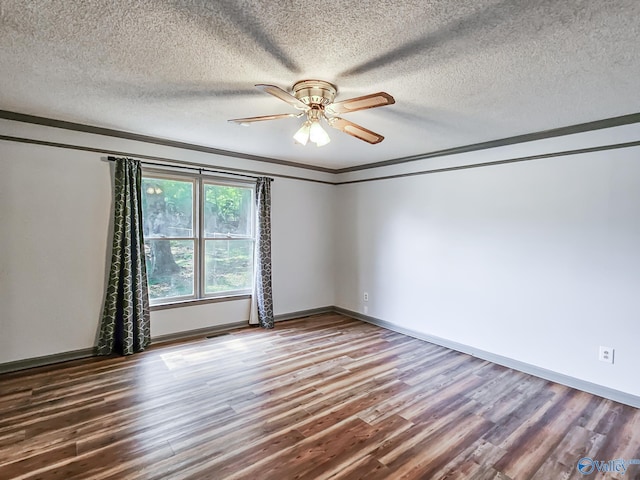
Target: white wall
[[536, 261], [55, 210], [302, 245], [198, 316]]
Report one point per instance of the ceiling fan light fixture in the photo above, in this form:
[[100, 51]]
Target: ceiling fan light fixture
[[302, 135], [318, 135], [316, 99]]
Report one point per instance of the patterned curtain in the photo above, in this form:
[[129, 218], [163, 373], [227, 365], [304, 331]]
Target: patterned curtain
[[125, 328], [262, 302]]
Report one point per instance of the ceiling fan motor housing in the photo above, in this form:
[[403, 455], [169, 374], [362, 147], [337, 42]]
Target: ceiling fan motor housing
[[315, 92]]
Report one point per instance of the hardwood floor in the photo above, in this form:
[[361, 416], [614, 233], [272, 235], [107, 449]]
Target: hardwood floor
[[321, 397]]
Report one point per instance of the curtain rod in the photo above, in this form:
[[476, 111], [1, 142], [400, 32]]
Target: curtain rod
[[198, 169]]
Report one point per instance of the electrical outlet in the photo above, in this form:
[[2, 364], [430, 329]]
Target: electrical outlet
[[365, 296], [606, 354]]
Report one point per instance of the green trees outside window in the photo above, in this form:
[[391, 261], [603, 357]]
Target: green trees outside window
[[199, 236]]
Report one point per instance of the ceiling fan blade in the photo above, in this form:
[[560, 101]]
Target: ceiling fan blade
[[264, 117], [282, 95], [379, 99], [355, 130]]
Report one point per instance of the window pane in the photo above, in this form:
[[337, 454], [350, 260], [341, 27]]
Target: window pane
[[228, 265], [167, 207], [169, 268], [227, 211]]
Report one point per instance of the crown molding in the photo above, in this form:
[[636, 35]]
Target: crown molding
[[564, 153], [529, 137], [80, 127]]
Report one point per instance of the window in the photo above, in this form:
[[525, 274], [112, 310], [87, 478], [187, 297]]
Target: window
[[199, 236]]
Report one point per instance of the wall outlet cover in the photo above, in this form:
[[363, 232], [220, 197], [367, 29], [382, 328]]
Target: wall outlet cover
[[605, 354]]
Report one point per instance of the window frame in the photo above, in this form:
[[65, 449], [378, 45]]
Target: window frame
[[199, 181]]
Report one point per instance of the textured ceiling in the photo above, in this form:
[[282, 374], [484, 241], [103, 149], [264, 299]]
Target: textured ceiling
[[461, 72]]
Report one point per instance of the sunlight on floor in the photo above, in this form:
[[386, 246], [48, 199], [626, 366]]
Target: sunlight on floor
[[190, 357]]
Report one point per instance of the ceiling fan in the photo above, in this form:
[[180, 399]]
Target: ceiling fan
[[315, 99]]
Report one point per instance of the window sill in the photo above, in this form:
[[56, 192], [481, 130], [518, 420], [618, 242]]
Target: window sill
[[199, 301]]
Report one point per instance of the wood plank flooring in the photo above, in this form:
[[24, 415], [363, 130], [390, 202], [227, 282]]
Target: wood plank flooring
[[316, 398]]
